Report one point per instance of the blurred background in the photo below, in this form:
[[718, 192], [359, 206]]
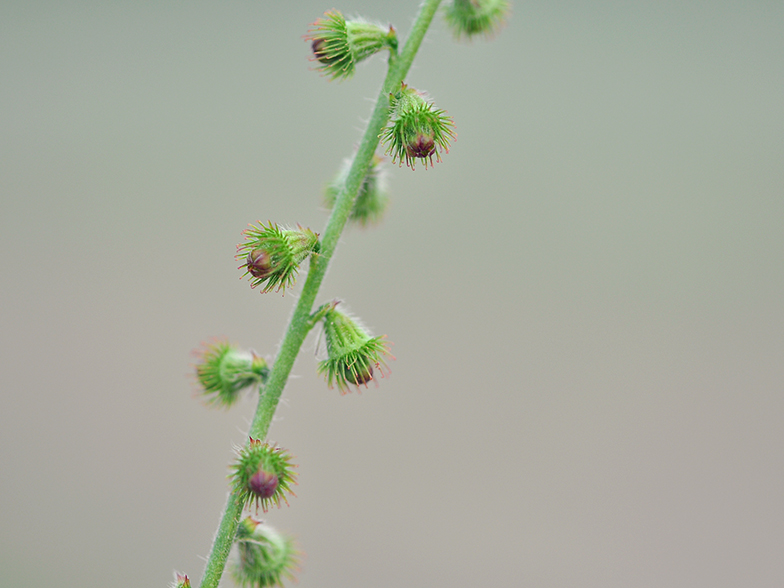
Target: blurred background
[[585, 297]]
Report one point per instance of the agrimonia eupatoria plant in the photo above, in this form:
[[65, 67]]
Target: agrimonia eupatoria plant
[[352, 353], [272, 256], [224, 371], [265, 557], [372, 197], [262, 475], [467, 18], [411, 128], [416, 129], [338, 45]]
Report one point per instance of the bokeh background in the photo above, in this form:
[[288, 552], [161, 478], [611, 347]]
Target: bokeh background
[[585, 297]]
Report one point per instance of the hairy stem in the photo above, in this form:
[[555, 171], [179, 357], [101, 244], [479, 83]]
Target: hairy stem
[[300, 323]]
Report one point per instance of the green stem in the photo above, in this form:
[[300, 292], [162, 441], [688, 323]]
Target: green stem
[[300, 323]]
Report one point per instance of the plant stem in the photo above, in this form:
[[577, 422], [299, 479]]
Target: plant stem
[[300, 323]]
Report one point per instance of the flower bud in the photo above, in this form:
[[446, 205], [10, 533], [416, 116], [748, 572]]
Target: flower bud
[[352, 354], [467, 18], [416, 130], [265, 557], [259, 264], [263, 474], [181, 581], [263, 484], [372, 198], [272, 255], [338, 45], [223, 371]]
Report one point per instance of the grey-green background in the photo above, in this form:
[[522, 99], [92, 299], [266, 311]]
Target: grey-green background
[[585, 297]]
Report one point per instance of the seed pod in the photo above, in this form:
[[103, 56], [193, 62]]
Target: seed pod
[[416, 129], [339, 44], [352, 353], [263, 475], [271, 255]]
